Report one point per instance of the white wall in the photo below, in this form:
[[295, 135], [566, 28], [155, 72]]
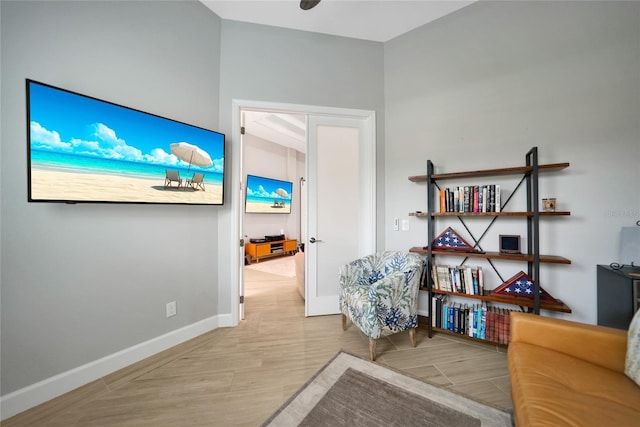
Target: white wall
[[478, 88], [271, 160], [80, 282]]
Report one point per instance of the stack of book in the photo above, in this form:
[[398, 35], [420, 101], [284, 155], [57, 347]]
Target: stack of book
[[471, 198], [474, 320], [461, 279]]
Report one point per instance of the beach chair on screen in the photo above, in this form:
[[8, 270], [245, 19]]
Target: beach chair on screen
[[197, 181], [172, 176]]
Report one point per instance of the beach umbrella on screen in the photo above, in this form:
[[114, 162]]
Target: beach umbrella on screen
[[282, 193], [191, 154]]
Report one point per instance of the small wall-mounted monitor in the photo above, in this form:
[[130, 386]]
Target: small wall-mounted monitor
[[509, 244]]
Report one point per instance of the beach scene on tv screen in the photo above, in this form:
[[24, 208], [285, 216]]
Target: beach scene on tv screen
[[83, 149], [265, 195]]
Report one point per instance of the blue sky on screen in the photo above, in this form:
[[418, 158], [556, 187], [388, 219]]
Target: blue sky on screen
[[266, 187], [70, 123]]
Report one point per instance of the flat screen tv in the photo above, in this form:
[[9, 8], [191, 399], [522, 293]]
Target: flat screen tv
[[268, 195], [83, 149]]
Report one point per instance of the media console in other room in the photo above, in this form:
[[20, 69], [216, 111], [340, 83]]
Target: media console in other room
[[268, 247]]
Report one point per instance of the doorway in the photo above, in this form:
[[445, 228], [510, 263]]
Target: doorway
[[322, 119], [274, 165]]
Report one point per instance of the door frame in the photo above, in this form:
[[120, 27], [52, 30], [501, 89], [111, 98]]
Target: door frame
[[369, 169]]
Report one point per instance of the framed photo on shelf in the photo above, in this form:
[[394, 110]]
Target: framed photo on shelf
[[509, 244]]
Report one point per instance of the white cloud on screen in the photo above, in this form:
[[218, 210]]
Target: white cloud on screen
[[104, 143], [46, 138], [261, 192]]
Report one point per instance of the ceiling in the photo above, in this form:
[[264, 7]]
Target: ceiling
[[376, 20], [289, 130]]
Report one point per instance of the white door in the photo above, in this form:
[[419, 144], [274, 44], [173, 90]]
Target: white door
[[341, 204]]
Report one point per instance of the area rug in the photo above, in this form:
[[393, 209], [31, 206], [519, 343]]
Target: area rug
[[351, 391], [283, 266]]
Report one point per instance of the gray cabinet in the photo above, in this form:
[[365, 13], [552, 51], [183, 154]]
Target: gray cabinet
[[618, 296]]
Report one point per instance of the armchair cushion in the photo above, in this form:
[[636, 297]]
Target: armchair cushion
[[379, 292]]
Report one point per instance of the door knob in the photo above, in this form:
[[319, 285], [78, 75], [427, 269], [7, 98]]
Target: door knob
[[313, 240]]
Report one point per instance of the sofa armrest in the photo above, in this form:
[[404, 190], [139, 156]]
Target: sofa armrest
[[599, 345]]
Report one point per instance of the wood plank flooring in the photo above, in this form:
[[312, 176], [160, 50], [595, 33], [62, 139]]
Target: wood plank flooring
[[240, 376]]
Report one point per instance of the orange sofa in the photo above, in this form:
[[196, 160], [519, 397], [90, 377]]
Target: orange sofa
[[565, 373]]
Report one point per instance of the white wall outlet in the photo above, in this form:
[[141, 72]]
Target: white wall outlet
[[396, 224], [172, 309], [405, 224]]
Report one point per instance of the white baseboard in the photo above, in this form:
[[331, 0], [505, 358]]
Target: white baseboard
[[225, 321], [40, 392]]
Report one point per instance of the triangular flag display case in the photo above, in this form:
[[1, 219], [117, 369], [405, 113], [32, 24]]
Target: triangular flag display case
[[521, 285], [522, 290], [450, 240]]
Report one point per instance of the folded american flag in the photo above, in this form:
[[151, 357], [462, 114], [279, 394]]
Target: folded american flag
[[448, 239], [521, 285]]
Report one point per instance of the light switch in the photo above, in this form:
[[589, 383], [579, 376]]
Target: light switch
[[405, 224]]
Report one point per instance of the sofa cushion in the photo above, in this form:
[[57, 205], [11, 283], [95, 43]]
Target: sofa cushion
[[599, 345], [554, 388], [632, 361]]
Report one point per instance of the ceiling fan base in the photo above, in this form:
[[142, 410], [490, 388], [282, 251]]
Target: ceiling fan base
[[308, 4]]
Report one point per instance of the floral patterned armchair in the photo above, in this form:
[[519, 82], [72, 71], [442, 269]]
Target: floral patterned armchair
[[379, 293]]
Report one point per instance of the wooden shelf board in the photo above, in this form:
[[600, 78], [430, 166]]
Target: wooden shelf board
[[468, 214], [556, 305], [448, 332], [487, 172], [489, 214], [552, 259]]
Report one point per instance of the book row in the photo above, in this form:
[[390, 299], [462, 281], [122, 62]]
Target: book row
[[471, 198], [480, 320], [461, 278]]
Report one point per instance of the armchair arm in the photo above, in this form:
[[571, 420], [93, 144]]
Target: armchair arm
[[599, 345]]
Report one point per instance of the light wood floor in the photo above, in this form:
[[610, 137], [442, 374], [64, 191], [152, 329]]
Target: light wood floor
[[239, 376]]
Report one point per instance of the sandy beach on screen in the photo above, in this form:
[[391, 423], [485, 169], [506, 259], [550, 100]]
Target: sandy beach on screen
[[254, 207], [57, 185]]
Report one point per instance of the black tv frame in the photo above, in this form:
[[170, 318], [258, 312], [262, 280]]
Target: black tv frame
[[85, 175]]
